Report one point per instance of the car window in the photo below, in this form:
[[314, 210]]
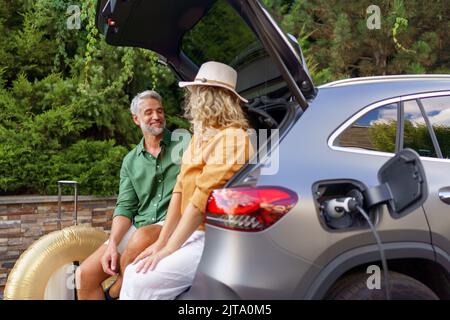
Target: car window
[[438, 112], [415, 131], [376, 131]]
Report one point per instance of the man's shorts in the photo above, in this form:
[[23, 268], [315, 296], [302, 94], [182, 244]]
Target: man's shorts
[[124, 242]]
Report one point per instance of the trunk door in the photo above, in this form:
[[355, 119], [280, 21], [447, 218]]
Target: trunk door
[[189, 32]]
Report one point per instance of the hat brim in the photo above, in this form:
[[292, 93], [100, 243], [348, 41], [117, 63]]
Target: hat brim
[[198, 83]]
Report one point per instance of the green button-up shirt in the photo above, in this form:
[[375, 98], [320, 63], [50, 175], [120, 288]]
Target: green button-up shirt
[[146, 183]]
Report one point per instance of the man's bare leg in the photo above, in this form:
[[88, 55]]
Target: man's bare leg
[[90, 275], [140, 240]]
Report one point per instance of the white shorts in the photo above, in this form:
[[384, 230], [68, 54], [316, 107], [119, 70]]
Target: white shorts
[[172, 275], [127, 236]]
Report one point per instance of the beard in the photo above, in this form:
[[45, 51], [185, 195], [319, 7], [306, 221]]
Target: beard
[[153, 130]]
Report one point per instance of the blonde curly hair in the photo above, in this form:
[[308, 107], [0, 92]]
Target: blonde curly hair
[[213, 107]]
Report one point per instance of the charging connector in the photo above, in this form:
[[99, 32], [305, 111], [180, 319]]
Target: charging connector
[[336, 208]]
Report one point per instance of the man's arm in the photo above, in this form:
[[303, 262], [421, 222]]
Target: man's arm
[[127, 201], [126, 209], [110, 259], [119, 227]]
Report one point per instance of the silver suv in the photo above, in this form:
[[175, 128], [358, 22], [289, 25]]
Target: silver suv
[[289, 234]]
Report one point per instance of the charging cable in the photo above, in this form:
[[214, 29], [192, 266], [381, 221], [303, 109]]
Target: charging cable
[[381, 249], [336, 208]]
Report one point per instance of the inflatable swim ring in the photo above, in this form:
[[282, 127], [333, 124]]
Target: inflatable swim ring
[[45, 270]]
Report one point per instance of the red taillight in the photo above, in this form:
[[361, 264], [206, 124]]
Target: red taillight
[[249, 208]]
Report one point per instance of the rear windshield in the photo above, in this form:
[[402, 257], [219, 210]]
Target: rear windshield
[[222, 35]]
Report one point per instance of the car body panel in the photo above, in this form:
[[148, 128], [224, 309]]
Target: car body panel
[[269, 269], [297, 257], [438, 212], [299, 236]]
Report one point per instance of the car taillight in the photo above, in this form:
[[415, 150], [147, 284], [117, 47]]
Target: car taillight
[[249, 208]]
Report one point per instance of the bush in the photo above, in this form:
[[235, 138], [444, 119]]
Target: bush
[[64, 99]]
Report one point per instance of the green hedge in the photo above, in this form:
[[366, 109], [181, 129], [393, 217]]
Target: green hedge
[[65, 94]]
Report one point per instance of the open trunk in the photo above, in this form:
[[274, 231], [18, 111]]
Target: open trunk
[[186, 33]]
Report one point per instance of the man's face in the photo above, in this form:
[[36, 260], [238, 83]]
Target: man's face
[[151, 116]]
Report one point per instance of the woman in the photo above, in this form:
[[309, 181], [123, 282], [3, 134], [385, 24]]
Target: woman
[[218, 149]]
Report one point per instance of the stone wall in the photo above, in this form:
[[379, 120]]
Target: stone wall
[[24, 219]]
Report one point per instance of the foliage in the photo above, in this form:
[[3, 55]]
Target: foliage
[[64, 99], [415, 136], [383, 136], [65, 94], [413, 37]]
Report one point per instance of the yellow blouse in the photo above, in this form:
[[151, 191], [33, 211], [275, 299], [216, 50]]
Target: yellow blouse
[[209, 162]]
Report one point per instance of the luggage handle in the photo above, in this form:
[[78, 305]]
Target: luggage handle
[[73, 184]]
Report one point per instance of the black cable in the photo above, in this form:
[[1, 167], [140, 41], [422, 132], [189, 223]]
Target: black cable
[[381, 249]]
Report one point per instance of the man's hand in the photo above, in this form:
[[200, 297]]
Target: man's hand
[[150, 262], [110, 259]]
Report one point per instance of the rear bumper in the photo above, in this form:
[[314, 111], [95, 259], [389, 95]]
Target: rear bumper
[[206, 288], [237, 265]]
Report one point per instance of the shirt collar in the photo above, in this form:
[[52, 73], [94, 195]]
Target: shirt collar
[[165, 141], [167, 138], [140, 146]]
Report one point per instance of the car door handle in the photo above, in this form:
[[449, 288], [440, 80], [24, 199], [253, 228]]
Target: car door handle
[[444, 195]]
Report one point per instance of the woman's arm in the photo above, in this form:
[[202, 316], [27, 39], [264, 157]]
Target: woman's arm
[[172, 218], [189, 222]]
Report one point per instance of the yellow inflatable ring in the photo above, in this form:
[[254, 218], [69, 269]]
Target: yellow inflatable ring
[[33, 270]]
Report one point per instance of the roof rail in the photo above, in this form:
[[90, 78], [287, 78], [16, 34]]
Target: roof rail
[[362, 80]]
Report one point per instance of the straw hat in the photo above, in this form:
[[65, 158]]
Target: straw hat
[[215, 74]]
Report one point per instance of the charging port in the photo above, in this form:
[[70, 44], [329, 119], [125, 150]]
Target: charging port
[[331, 199]]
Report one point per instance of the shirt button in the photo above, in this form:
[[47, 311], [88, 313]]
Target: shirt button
[[153, 219], [159, 181]]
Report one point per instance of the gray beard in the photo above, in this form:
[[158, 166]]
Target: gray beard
[[153, 131]]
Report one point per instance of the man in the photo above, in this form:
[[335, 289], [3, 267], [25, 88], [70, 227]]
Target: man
[[147, 178]]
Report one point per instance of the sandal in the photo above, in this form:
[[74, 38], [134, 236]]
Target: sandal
[[107, 295]]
